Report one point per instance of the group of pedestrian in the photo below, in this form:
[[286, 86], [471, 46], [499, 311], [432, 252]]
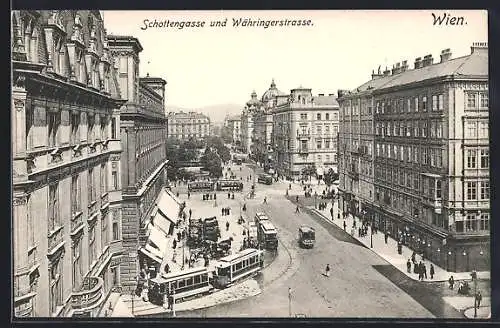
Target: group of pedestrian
[[363, 230], [419, 268], [209, 196], [322, 206], [226, 211], [230, 196]]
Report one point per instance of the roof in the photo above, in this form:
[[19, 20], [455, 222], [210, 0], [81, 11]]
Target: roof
[[475, 64], [325, 101], [272, 92], [306, 228], [268, 225], [244, 252]]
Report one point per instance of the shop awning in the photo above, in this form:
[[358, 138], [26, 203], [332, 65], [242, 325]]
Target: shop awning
[[169, 207], [158, 240], [162, 222], [150, 252]]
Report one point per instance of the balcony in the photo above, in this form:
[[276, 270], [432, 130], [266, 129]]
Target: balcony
[[303, 150], [76, 221], [92, 209], [104, 200], [89, 294], [303, 135], [55, 238]]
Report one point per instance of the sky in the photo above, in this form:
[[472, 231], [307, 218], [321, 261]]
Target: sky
[[207, 65]]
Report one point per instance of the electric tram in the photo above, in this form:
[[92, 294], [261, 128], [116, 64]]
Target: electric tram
[[229, 185], [201, 186], [235, 267], [185, 283]]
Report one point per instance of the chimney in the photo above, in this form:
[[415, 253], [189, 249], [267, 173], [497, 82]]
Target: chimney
[[404, 66], [387, 72], [396, 69], [445, 55], [428, 60], [418, 63], [321, 94], [478, 46]]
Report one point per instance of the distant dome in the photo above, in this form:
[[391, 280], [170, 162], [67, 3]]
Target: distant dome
[[253, 100], [271, 92]]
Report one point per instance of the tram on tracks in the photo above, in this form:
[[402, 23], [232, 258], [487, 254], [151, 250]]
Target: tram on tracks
[[238, 266], [194, 186], [186, 283], [229, 185]]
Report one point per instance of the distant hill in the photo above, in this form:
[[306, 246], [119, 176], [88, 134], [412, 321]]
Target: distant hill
[[217, 113]]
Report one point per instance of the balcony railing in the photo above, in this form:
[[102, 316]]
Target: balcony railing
[[76, 220], [55, 238], [104, 199], [89, 295], [304, 135], [92, 208]]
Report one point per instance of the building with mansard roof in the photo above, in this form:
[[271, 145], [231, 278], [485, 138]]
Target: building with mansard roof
[[185, 125], [414, 147], [66, 164]]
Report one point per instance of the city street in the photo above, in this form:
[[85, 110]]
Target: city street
[[361, 284]]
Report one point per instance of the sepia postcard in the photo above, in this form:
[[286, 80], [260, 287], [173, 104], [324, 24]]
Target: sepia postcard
[[251, 164]]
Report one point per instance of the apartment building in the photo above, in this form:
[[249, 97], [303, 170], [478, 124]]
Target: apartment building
[[182, 125], [430, 157]]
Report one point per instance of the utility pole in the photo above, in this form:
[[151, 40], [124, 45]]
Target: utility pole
[[289, 301], [371, 233]]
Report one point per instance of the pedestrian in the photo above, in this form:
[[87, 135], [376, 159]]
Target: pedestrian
[[228, 195], [431, 271], [189, 194], [331, 212], [297, 209], [177, 194], [297, 198], [386, 236], [174, 244], [344, 225], [413, 259], [479, 298], [359, 232], [222, 211], [170, 301], [190, 212], [424, 271], [408, 266], [327, 270], [290, 186], [215, 196], [265, 200], [227, 225], [232, 196]]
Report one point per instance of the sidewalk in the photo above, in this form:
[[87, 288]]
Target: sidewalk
[[237, 292], [389, 251]]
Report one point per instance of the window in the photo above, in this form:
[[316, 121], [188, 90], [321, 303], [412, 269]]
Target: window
[[90, 128], [92, 245], [318, 144], [319, 129], [53, 219], [434, 103], [471, 190], [485, 190], [424, 103], [104, 131], [75, 194], [483, 130], [116, 231], [471, 158], [104, 230], [471, 130], [77, 263], [114, 176], [424, 130], [438, 189], [90, 185], [318, 117], [327, 116], [440, 102], [75, 129], [484, 100], [439, 130], [485, 158], [54, 121], [425, 156], [433, 130], [56, 285], [327, 129], [470, 223], [408, 105], [471, 100], [416, 104], [327, 144], [484, 222], [103, 178]]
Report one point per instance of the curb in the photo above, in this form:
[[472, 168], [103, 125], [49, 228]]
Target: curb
[[373, 251]]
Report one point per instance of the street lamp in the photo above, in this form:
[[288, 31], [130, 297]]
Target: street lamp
[[315, 199], [289, 301], [474, 278], [371, 232]]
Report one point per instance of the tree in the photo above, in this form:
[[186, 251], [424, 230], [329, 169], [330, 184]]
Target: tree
[[226, 135], [212, 163], [309, 171], [330, 177]]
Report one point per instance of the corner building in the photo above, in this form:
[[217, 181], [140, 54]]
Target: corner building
[[305, 129], [142, 125], [66, 153], [431, 159]]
